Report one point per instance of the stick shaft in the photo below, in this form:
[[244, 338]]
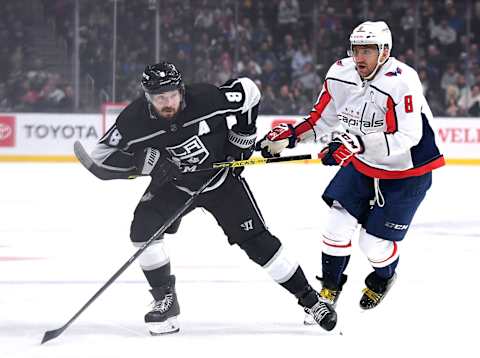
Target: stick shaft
[[180, 211]]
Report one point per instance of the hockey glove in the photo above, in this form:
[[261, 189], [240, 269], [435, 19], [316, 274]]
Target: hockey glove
[[281, 137], [162, 170], [341, 149], [240, 145]]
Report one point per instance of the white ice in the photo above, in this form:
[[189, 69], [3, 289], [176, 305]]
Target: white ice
[[63, 233]]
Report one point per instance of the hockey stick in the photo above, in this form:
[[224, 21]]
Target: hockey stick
[[56, 332], [106, 174], [305, 158]]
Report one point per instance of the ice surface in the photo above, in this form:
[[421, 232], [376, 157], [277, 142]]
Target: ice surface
[[63, 233]]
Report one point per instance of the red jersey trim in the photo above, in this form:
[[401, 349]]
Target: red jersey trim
[[397, 174], [316, 112], [391, 116]]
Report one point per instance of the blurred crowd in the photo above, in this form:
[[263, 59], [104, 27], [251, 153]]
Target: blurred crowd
[[286, 46], [25, 82]]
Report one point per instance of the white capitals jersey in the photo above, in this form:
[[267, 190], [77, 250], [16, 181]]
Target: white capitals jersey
[[389, 113]]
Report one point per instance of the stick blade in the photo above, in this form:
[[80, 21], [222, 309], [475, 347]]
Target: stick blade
[[49, 335], [82, 155]]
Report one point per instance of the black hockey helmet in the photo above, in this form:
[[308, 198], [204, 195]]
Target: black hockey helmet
[[162, 77]]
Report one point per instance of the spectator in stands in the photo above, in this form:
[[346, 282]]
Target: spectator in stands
[[266, 53], [225, 69], [449, 78], [474, 54], [30, 99], [261, 32], [422, 74], [300, 58], [270, 76], [445, 35], [285, 103], [309, 79], [66, 103], [434, 63], [195, 30], [408, 22], [452, 107], [269, 100], [474, 108], [288, 17], [303, 98], [469, 102], [5, 104], [253, 71], [204, 71], [454, 21], [285, 53], [463, 92], [245, 33]]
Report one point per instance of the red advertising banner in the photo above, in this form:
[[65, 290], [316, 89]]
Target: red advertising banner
[[7, 131]]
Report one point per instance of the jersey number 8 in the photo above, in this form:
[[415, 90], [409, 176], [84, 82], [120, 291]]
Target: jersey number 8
[[408, 104], [234, 96]]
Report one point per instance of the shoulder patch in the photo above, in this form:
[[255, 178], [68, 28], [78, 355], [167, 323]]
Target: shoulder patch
[[339, 63], [397, 72]]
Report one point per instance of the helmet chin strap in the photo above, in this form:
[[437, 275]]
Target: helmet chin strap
[[374, 72]]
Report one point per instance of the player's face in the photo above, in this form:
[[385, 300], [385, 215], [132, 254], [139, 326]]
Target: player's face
[[167, 104], [366, 57]]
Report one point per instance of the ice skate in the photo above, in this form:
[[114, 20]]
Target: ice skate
[[329, 294], [318, 311], [162, 319], [377, 288]]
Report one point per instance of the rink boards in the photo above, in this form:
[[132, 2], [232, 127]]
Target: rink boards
[[48, 137]]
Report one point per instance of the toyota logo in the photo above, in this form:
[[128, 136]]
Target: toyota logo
[[5, 131]]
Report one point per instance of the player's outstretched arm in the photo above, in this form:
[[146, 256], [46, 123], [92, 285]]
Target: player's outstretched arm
[[101, 172]]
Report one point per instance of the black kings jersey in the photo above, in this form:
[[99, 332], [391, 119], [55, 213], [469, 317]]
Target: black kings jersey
[[196, 136]]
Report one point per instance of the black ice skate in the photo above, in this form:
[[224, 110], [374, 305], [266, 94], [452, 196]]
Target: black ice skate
[[329, 294], [321, 312], [162, 319], [377, 288]]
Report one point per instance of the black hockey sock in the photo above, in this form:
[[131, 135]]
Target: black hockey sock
[[158, 277], [333, 267], [297, 283], [387, 271]]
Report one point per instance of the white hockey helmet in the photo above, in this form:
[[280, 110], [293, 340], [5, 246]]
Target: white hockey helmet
[[371, 33]]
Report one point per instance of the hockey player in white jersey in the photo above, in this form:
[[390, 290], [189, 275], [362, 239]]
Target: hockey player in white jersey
[[386, 156]]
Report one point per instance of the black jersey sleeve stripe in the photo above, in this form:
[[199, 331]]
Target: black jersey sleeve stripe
[[142, 139]]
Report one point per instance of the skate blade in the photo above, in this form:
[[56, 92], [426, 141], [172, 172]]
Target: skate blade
[[166, 327], [308, 320]]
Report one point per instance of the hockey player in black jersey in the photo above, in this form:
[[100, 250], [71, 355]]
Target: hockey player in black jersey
[[169, 133]]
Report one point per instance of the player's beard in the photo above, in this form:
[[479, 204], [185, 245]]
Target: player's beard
[[168, 112]]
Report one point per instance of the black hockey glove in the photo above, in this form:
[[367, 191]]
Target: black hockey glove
[[162, 170], [240, 145]]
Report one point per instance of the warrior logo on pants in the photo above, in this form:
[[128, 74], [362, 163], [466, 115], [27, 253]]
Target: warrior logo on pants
[[247, 225]]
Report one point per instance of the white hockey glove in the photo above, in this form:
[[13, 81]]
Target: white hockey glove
[[281, 137]]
